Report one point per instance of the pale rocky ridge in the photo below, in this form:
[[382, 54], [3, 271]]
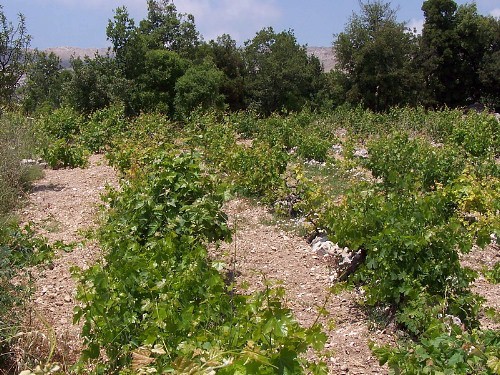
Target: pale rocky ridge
[[324, 54]]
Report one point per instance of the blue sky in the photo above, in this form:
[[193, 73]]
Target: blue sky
[[82, 23]]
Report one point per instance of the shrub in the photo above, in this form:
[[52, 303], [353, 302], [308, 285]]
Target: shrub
[[408, 164], [58, 132], [156, 296], [102, 126], [258, 170], [16, 143], [61, 154], [19, 248]]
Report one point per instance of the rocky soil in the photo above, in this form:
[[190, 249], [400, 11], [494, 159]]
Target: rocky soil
[[62, 206]]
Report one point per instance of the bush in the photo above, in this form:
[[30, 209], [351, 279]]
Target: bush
[[61, 154], [17, 142], [19, 248], [408, 164], [63, 123], [102, 126], [478, 135], [156, 295], [258, 170], [59, 132]]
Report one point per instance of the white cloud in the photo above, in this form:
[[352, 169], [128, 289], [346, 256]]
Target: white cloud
[[495, 12], [416, 24], [241, 19]]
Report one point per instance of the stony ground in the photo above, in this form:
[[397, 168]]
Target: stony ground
[[64, 204]]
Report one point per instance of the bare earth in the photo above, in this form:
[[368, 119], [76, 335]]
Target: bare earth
[[61, 205], [65, 202]]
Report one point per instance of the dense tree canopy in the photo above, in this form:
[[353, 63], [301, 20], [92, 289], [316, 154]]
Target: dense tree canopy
[[457, 44], [44, 82], [161, 64], [280, 74], [375, 54]]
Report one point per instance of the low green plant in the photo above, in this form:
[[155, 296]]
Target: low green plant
[[258, 170], [58, 133], [145, 134], [493, 274], [408, 164], [102, 126], [445, 348], [313, 147], [63, 123], [477, 134], [157, 303], [17, 142], [61, 154], [20, 247]]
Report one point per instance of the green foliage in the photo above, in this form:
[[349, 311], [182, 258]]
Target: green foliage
[[410, 241], [493, 274], [313, 147], [280, 74], [156, 91], [445, 349], [229, 59], [101, 127], [19, 248], [95, 83], [375, 55], [63, 123], [150, 131], [456, 42], [199, 88], [44, 82], [165, 27], [412, 164], [478, 135], [258, 170], [14, 55], [17, 142], [156, 297], [58, 133], [61, 154]]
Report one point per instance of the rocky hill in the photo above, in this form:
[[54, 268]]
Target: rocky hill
[[324, 54], [65, 53]]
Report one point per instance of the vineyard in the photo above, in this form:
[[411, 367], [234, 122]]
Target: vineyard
[[405, 195]]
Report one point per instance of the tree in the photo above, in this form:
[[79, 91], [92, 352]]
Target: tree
[[456, 42], [96, 83], [129, 44], [166, 28], [44, 82], [199, 88], [374, 54], [14, 56], [229, 59], [489, 71], [157, 85], [280, 75]]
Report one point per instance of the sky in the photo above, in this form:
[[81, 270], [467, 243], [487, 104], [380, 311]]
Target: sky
[[82, 23]]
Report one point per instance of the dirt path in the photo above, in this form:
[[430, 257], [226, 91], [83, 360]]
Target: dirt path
[[264, 251], [62, 205]]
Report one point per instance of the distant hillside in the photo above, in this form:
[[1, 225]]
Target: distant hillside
[[65, 53], [324, 54]]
